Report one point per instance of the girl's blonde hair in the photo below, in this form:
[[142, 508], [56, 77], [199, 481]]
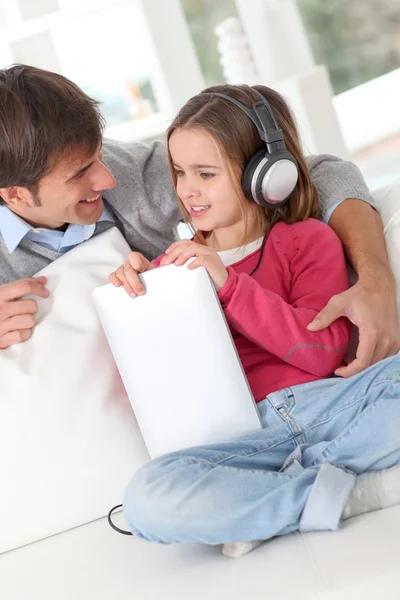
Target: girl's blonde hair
[[237, 140]]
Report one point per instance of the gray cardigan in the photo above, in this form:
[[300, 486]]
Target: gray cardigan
[[145, 209]]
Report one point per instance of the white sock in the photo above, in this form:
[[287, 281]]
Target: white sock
[[239, 549], [373, 491]]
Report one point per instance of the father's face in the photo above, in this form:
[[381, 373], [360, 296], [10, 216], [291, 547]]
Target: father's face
[[71, 193]]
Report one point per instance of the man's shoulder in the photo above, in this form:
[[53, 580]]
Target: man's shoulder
[[22, 262], [132, 156], [143, 180]]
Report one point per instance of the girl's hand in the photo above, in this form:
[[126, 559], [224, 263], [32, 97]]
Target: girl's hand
[[127, 274], [180, 252]]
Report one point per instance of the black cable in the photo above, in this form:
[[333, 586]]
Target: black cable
[[124, 531], [275, 218]]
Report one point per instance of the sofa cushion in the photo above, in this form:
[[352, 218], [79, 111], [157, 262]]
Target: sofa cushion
[[68, 437], [388, 204]]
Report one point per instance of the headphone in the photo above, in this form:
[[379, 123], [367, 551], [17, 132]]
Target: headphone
[[270, 176]]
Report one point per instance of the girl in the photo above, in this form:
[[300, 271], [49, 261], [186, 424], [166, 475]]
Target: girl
[[243, 186]]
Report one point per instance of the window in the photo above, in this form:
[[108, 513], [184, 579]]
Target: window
[[357, 41], [109, 59], [101, 45], [202, 17]]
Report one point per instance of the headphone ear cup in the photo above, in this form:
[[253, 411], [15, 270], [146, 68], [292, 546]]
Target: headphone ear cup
[[269, 179], [249, 174]]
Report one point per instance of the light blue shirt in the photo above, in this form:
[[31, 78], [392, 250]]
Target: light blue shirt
[[330, 210], [14, 229]]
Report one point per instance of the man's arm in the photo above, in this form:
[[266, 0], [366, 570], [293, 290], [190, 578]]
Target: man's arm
[[336, 180], [371, 303], [360, 229]]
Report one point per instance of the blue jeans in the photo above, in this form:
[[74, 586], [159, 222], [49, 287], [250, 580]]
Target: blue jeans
[[295, 474]]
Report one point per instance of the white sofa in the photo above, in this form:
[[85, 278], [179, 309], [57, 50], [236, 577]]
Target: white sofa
[[361, 560]]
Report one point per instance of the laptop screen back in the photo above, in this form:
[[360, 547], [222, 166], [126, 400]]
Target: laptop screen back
[[177, 360]]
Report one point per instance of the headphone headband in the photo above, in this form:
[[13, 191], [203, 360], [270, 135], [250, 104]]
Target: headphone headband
[[262, 116], [271, 174]]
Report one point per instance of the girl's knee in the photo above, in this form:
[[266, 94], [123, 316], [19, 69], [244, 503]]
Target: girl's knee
[[149, 497]]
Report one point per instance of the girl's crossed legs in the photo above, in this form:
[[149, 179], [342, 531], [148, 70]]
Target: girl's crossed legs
[[297, 473]]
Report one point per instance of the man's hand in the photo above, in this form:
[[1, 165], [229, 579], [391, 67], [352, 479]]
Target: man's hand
[[371, 306], [16, 315]]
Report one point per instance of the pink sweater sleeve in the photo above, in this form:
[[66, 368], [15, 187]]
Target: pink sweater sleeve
[[316, 270]]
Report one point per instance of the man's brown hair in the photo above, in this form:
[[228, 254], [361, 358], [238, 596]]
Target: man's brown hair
[[43, 117]]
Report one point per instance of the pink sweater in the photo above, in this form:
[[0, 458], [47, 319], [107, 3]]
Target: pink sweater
[[303, 266]]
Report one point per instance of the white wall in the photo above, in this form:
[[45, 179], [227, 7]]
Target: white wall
[[370, 112]]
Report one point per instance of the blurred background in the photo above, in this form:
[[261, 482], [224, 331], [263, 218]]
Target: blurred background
[[337, 63]]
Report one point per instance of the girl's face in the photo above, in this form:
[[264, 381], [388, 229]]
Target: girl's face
[[206, 187]]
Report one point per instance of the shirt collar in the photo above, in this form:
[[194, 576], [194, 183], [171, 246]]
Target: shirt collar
[[13, 229]]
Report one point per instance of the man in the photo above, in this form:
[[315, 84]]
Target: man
[[56, 192]]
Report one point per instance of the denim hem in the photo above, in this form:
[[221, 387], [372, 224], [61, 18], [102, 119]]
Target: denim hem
[[327, 498]]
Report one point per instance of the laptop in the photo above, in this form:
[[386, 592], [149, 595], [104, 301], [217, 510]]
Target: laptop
[[177, 360]]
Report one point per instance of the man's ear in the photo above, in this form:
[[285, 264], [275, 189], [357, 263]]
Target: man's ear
[[17, 197]]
